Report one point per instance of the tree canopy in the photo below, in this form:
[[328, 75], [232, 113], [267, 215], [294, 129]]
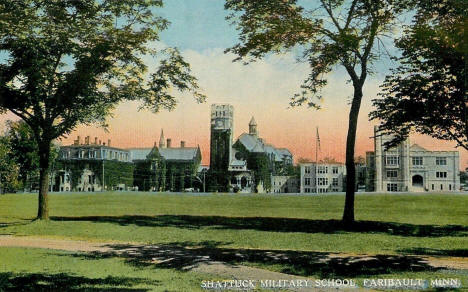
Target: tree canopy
[[427, 92], [70, 62], [331, 33]]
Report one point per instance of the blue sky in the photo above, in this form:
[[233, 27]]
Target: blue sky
[[263, 89], [197, 25]]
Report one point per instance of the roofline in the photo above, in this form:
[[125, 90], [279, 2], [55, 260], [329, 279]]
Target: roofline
[[93, 146]]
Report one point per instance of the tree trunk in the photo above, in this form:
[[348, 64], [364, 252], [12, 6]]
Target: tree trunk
[[348, 214], [44, 155]]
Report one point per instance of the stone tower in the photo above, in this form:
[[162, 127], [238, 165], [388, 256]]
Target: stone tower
[[162, 141], [401, 162], [253, 127], [222, 128]]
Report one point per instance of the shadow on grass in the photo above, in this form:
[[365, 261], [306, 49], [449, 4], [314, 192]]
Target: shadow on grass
[[277, 224], [67, 282], [16, 223], [436, 252], [187, 255]]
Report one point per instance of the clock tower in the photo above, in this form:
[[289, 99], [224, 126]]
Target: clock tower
[[221, 139]]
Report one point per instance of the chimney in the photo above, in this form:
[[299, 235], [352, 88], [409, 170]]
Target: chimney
[[100, 143], [87, 140], [95, 140], [78, 140], [168, 143], [109, 142], [182, 144]]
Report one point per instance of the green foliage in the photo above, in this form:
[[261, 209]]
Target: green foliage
[[427, 93], [24, 150], [115, 172], [333, 32], [218, 176], [72, 62], [261, 166], [9, 170], [155, 171], [259, 163], [463, 177]]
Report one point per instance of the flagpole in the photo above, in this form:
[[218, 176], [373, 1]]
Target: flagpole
[[316, 161]]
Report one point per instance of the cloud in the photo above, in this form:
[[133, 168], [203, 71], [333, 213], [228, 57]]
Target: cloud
[[261, 89]]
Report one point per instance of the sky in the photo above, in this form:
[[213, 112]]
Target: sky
[[262, 89]]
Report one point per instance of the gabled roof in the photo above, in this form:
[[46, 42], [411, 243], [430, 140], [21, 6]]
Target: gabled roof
[[251, 142], [269, 149], [186, 153], [254, 144], [284, 151], [416, 147], [139, 153]]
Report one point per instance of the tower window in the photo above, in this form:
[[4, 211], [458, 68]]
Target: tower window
[[441, 161], [418, 160]]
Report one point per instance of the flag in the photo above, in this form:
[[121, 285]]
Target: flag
[[318, 139]]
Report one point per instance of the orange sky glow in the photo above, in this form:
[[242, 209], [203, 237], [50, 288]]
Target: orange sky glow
[[261, 90]]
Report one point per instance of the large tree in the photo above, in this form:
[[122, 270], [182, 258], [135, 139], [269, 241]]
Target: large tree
[[331, 32], [70, 62], [427, 92]]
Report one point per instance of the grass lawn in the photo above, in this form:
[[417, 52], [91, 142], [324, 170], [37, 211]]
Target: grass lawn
[[47, 270], [306, 228]]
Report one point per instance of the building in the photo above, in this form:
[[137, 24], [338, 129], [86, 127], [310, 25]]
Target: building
[[166, 168], [285, 184], [247, 164], [322, 177], [91, 166], [412, 168]]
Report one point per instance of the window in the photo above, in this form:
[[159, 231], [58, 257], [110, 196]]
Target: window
[[322, 169], [441, 160], [392, 160], [450, 187], [441, 187], [307, 181], [335, 182], [417, 160], [392, 173], [335, 169], [432, 186], [392, 187], [307, 169], [322, 181], [307, 190], [441, 174]]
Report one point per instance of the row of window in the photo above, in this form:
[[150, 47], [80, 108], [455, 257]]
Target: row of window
[[394, 174], [321, 181], [321, 169], [393, 160], [393, 187], [319, 190], [93, 154]]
